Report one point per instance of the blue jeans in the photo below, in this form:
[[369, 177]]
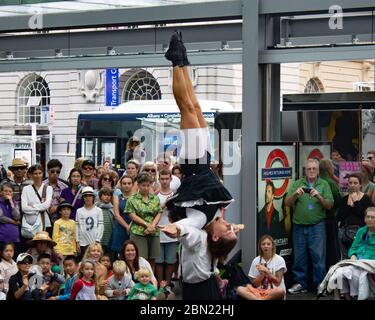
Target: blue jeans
[[309, 239]]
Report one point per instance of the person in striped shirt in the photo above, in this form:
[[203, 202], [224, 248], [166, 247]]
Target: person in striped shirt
[[104, 203]]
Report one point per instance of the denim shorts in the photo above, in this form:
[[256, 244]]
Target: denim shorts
[[168, 252]]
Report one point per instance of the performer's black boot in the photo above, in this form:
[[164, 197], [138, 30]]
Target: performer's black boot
[[185, 59], [175, 50]]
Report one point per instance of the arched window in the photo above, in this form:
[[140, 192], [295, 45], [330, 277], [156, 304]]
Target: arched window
[[313, 85], [139, 85], [33, 95]]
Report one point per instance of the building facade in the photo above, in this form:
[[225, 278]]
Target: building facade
[[54, 99]]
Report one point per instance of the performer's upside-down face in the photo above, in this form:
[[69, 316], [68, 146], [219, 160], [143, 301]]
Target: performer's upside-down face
[[222, 229]]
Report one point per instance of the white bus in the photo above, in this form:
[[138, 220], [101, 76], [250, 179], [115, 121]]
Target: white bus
[[103, 135]]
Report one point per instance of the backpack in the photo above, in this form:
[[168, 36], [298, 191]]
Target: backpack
[[236, 278]]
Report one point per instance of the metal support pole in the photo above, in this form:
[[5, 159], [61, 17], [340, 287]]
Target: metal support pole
[[251, 127], [50, 142], [271, 117], [33, 142], [267, 108]]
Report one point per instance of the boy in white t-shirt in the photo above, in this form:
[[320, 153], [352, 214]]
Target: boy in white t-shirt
[[168, 246], [89, 221]]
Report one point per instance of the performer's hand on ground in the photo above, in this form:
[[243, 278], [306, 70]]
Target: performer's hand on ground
[[171, 230], [238, 227]]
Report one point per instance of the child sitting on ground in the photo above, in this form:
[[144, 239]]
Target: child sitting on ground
[[105, 260], [120, 283], [71, 272], [84, 287], [46, 282], [144, 289], [8, 266]]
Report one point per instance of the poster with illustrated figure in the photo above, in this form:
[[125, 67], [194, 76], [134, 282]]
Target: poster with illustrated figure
[[312, 150], [347, 168], [276, 171]]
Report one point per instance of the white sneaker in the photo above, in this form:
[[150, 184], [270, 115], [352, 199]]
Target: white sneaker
[[297, 288]]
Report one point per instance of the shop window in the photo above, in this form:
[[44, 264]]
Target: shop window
[[33, 96]]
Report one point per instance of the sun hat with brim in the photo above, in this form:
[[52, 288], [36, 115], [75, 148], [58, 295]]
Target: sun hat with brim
[[17, 163], [22, 256], [88, 191], [42, 236], [64, 204]]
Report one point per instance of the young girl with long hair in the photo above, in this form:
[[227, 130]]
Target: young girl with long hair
[[94, 252], [84, 287], [8, 266], [266, 273]]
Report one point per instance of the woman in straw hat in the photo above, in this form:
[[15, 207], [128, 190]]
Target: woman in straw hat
[[42, 243]]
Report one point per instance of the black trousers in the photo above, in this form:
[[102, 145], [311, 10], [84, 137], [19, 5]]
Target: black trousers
[[332, 243], [205, 290]]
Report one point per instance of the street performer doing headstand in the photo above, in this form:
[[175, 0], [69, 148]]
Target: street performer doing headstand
[[201, 196]]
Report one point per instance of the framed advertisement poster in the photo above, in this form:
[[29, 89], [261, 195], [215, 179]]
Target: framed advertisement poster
[[276, 171], [24, 154], [347, 168], [312, 150]]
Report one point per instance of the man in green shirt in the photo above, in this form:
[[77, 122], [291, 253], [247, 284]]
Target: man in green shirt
[[310, 196], [145, 212]]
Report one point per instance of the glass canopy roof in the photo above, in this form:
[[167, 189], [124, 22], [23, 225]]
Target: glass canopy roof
[[10, 8]]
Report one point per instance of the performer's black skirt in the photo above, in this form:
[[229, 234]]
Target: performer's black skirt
[[200, 189]]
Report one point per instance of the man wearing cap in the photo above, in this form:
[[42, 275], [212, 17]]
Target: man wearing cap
[[54, 167], [88, 171], [19, 282], [19, 181]]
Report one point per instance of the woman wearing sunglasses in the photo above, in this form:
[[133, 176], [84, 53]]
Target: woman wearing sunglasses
[[151, 168], [54, 167], [105, 180]]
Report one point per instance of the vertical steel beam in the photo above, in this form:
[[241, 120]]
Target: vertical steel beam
[[251, 127]]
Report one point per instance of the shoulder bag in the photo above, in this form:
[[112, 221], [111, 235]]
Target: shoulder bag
[[28, 229]]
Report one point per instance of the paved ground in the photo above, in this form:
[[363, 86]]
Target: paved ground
[[302, 296], [307, 296]]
